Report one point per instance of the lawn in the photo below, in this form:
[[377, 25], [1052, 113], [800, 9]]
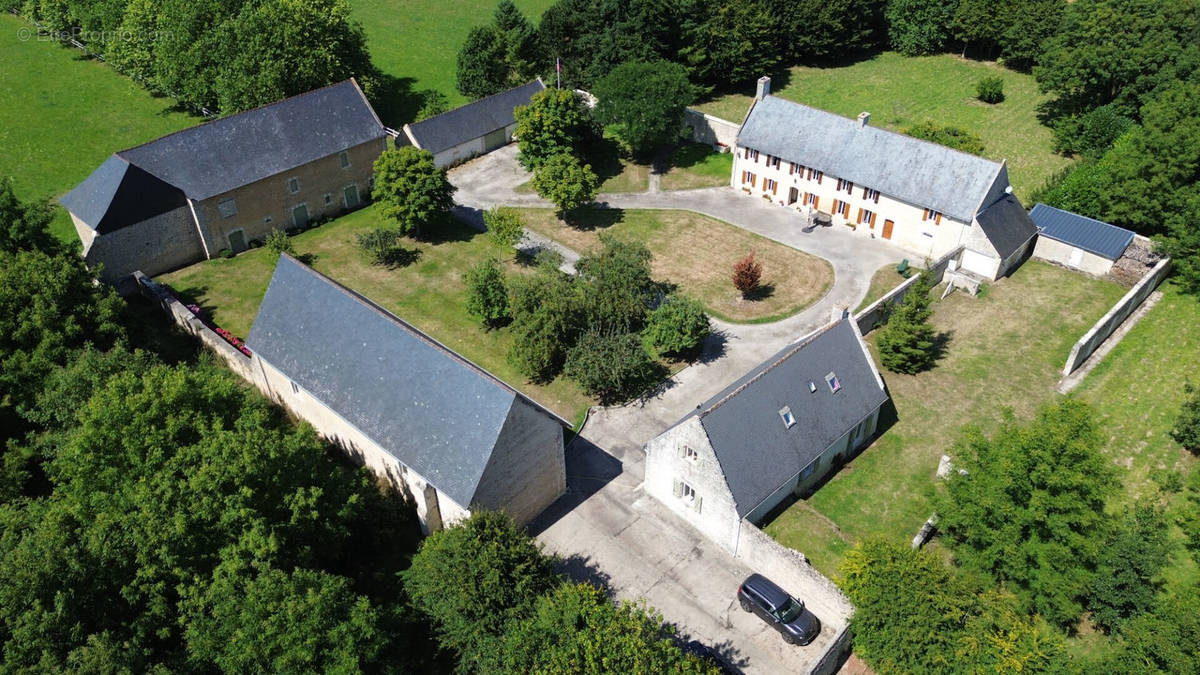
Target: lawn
[[428, 293], [885, 279], [1006, 349], [696, 165], [697, 253], [899, 91], [62, 116]]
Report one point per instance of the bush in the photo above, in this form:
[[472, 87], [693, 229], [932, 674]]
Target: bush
[[226, 253], [614, 283], [1187, 426], [505, 225], [951, 137], [487, 297], [565, 181], [381, 246], [611, 367], [747, 274], [278, 242], [411, 189], [678, 325], [990, 89], [544, 323]]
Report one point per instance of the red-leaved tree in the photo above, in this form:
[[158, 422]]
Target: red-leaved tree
[[747, 273]]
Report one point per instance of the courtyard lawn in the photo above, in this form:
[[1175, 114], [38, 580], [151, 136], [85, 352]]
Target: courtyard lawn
[[696, 165], [697, 253], [885, 279], [900, 91], [1006, 349], [429, 293], [61, 116]]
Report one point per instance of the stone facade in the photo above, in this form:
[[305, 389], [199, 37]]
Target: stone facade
[[1071, 256], [159, 244]]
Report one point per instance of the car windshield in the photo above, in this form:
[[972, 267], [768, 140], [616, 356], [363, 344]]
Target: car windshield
[[791, 610]]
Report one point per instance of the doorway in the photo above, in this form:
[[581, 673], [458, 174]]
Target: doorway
[[300, 215], [793, 196], [887, 229], [237, 241]]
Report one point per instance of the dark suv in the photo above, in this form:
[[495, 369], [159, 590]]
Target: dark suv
[[786, 614]]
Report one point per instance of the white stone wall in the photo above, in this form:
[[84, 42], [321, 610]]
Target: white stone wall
[[710, 130], [527, 471], [1071, 256]]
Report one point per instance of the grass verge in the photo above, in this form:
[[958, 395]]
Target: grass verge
[[696, 165]]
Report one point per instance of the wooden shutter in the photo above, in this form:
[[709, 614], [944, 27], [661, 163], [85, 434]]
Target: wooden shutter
[[678, 488], [925, 215], [877, 196], [753, 180], [864, 193], [849, 187], [774, 187], [860, 215], [819, 177], [681, 451], [816, 201], [937, 220], [696, 504]]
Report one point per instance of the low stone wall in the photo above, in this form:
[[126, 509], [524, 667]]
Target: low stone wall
[[1108, 323], [711, 130], [875, 314]]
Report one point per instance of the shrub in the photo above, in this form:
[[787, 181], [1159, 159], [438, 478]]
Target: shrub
[[615, 288], [226, 253], [278, 242], [747, 274], [505, 225], [565, 181], [544, 323], [381, 246], [487, 297], [951, 137], [611, 367], [906, 342], [410, 189], [678, 325], [990, 89]]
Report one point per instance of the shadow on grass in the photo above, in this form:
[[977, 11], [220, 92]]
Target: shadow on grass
[[596, 217], [149, 328], [398, 257], [689, 155], [760, 292], [941, 343], [604, 156], [456, 226]]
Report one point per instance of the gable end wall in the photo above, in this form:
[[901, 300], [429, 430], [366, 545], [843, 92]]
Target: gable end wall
[[526, 472]]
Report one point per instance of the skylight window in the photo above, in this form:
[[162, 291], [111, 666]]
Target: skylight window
[[833, 383], [785, 414], [812, 387]]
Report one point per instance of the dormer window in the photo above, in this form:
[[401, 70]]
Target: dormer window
[[785, 414], [833, 383]]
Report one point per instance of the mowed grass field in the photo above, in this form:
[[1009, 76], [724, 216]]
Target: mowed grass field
[[900, 91], [61, 116]]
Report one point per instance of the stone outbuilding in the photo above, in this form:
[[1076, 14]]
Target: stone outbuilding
[[775, 432], [473, 129], [1078, 242], [224, 184], [450, 435]]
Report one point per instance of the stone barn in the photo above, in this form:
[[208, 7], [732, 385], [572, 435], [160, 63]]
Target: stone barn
[[226, 183], [1078, 242], [473, 129], [775, 432], [446, 432]]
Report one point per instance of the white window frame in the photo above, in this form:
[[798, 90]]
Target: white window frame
[[293, 181], [688, 493], [227, 207], [690, 454], [785, 414]]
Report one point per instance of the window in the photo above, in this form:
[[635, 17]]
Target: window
[[785, 414], [293, 185], [813, 174], [267, 220], [833, 383], [688, 494], [755, 154], [773, 162], [870, 194], [295, 389], [771, 185], [749, 178], [810, 199], [745, 153], [841, 208], [228, 208], [328, 199], [846, 185], [344, 158], [808, 471], [690, 454], [867, 216], [935, 216]]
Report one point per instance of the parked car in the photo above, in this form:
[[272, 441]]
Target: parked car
[[772, 604]]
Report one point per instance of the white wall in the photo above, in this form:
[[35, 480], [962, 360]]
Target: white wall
[[1071, 256]]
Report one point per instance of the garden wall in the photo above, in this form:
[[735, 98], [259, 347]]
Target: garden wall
[[875, 314], [714, 131], [1108, 323]]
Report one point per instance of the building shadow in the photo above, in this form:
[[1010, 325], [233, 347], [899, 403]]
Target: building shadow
[[589, 469], [723, 653]]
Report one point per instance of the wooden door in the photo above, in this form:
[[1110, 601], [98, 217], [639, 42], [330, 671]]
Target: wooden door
[[887, 229], [237, 241], [793, 195]]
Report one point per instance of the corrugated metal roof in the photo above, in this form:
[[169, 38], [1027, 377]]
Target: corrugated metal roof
[[758, 453], [1006, 225], [472, 120], [433, 410], [1089, 234], [918, 172]]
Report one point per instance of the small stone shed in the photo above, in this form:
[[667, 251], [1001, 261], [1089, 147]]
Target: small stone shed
[[473, 129], [1076, 241]]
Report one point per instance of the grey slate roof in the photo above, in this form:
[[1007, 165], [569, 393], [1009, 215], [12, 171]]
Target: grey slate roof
[[918, 172], [119, 193], [1089, 234], [428, 407], [757, 452], [1007, 225], [472, 120]]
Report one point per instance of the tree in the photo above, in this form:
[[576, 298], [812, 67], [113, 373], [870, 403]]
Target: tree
[[1166, 640], [381, 246], [678, 325], [951, 137], [23, 226], [917, 27], [487, 296], [481, 67], [642, 103], [519, 39], [1091, 134], [1026, 25], [554, 123], [474, 578], [411, 189], [278, 242], [577, 629], [615, 287], [544, 323], [736, 43], [1128, 577], [565, 181], [747, 274], [976, 22], [827, 29], [1002, 521], [613, 367], [1189, 516], [505, 225], [433, 103], [906, 342], [1186, 431]]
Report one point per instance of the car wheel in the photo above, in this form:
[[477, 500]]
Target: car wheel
[[745, 605], [791, 639]]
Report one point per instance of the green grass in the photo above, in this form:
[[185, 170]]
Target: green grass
[[696, 165], [885, 279], [61, 116], [1005, 350], [899, 91], [428, 293]]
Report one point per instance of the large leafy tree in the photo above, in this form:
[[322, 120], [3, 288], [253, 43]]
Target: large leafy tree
[[592, 37], [613, 367], [1166, 640], [827, 29], [615, 285], [566, 182], [545, 323], [481, 68], [1030, 509], [23, 225], [1026, 25], [678, 325], [519, 38], [1128, 577], [554, 123], [411, 189], [918, 27], [736, 43], [642, 103]]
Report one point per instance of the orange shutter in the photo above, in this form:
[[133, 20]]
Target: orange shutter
[[775, 187], [816, 201], [753, 180], [860, 215], [849, 187], [938, 219], [877, 196], [819, 177]]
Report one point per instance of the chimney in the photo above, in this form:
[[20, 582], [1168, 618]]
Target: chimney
[[863, 118], [764, 88]]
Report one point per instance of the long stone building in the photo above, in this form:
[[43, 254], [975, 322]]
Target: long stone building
[[223, 184], [924, 197], [474, 129]]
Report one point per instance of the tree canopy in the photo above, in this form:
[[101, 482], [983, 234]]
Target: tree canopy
[[554, 123], [411, 189], [642, 102]]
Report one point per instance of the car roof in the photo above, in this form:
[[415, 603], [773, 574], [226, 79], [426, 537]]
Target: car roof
[[767, 589]]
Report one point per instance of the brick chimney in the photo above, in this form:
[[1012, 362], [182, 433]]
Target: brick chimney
[[764, 88], [863, 118]]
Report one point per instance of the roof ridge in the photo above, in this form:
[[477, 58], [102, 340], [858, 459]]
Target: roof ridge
[[801, 344], [478, 100]]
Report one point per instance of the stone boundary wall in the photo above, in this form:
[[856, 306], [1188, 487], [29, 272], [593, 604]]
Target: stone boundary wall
[[1108, 323], [875, 314], [714, 131]]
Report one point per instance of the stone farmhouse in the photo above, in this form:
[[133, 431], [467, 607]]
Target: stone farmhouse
[[221, 185], [447, 433], [1078, 242], [924, 197], [775, 432], [474, 129]]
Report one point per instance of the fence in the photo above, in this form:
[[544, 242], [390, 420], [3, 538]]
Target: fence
[[875, 314], [1108, 323], [711, 130]]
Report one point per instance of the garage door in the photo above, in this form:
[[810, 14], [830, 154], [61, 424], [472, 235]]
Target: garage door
[[494, 140]]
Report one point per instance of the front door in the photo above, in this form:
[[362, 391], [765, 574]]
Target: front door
[[793, 196], [351, 196], [887, 229], [494, 140], [237, 241], [300, 215]]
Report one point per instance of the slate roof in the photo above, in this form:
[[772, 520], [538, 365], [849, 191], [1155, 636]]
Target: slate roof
[[1089, 234], [119, 193], [757, 452], [428, 407], [1007, 225], [472, 120], [916, 171]]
